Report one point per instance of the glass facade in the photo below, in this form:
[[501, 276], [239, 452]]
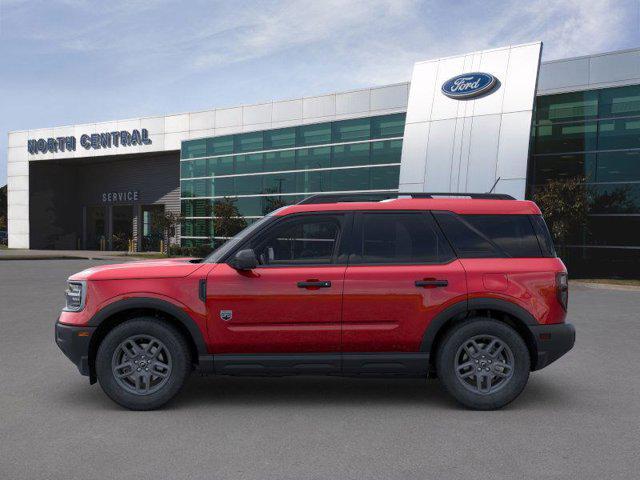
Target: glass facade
[[594, 135], [268, 169]]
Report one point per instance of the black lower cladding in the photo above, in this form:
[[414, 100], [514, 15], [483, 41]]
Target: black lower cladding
[[552, 341], [347, 364], [74, 343]]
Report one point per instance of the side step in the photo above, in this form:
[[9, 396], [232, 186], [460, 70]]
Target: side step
[[383, 364]]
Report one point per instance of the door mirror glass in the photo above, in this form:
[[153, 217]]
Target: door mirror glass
[[244, 260]]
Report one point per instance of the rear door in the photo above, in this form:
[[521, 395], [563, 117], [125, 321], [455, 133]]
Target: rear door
[[401, 274]]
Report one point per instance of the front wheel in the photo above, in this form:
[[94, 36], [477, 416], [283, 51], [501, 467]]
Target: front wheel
[[483, 363], [142, 363]]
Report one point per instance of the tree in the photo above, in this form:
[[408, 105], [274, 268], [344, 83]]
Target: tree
[[565, 205], [227, 219], [166, 222]]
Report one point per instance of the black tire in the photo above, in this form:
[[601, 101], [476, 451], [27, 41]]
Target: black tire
[[455, 352], [176, 355]]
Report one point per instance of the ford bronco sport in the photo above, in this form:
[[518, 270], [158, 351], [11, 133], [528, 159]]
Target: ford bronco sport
[[465, 287]]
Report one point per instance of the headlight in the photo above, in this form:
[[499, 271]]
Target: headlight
[[74, 295]]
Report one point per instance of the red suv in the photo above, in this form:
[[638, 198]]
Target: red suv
[[465, 287]]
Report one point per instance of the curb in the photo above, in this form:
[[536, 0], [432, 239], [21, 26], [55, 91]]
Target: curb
[[607, 286]]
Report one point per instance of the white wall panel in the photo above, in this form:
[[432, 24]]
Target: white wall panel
[[202, 120], [176, 123], [154, 125], [393, 96], [287, 111], [18, 139], [253, 114], [480, 170], [315, 107], [471, 140], [614, 67], [229, 117], [353, 102], [415, 146]]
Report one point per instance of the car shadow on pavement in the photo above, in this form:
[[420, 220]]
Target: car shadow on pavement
[[252, 392]]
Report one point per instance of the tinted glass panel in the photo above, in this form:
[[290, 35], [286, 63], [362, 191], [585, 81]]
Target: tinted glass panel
[[280, 138], [194, 148], [309, 241], [388, 126], [386, 152], [313, 134], [566, 107], [221, 166], [285, 160], [619, 134], [571, 165], [401, 238], [574, 137], [220, 145], [385, 178], [618, 167], [544, 237], [467, 242], [248, 142], [620, 102], [319, 157], [351, 130], [346, 155], [514, 234], [249, 163]]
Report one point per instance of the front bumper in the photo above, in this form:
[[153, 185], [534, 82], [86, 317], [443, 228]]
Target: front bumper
[[74, 343], [552, 342]]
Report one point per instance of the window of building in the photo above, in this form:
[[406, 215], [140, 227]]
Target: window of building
[[352, 130], [280, 138], [315, 134], [388, 126], [401, 238], [220, 145]]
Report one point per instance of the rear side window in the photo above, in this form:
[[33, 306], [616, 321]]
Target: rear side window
[[544, 237], [487, 236], [400, 238]]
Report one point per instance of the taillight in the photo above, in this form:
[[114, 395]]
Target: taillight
[[562, 289]]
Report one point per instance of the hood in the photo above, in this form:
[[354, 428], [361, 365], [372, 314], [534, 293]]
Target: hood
[[169, 268]]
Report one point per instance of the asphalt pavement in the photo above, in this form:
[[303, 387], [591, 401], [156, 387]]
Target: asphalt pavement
[[579, 418]]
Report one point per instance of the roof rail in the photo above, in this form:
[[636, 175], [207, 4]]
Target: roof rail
[[376, 197]]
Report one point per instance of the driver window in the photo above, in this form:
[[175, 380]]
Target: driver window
[[310, 240]]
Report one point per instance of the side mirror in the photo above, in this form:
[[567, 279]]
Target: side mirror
[[244, 260]]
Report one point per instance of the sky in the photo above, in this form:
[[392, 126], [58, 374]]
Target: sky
[[65, 62]]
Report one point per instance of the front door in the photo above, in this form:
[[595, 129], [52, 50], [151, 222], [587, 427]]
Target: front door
[[401, 274], [290, 303]]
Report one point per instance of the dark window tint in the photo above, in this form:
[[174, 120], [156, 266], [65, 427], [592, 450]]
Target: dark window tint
[[402, 238], [468, 242], [309, 240], [482, 236], [514, 234], [544, 237]]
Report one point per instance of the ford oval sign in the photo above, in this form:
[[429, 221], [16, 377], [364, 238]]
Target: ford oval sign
[[468, 85]]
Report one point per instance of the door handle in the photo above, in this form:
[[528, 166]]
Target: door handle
[[313, 284], [431, 283]]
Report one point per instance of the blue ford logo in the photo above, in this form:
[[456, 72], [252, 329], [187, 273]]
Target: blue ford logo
[[468, 85]]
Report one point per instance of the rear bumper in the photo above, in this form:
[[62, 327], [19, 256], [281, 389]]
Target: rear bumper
[[74, 343], [552, 342]]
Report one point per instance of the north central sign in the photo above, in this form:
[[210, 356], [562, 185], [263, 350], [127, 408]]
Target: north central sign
[[93, 141], [469, 85]]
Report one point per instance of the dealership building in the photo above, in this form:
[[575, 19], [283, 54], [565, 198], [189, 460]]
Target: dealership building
[[496, 119]]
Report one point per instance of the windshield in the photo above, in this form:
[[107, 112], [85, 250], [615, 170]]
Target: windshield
[[225, 248]]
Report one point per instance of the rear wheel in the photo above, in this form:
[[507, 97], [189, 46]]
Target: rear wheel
[[143, 363], [483, 363]]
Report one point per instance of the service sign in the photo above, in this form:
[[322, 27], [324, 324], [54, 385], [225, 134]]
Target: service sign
[[469, 85], [93, 141]]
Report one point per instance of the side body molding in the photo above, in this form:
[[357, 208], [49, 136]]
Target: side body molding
[[155, 304], [460, 310]]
